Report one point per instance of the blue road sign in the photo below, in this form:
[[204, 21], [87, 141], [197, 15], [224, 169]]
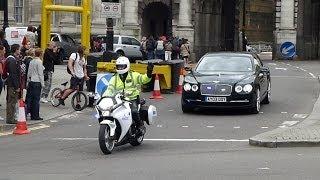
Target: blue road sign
[[288, 49], [102, 83]]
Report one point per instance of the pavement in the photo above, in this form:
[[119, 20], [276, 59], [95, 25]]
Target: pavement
[[47, 111], [306, 133]]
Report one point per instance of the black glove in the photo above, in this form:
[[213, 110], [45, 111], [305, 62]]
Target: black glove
[[150, 69]]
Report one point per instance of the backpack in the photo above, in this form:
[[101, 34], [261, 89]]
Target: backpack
[[160, 45], [68, 70]]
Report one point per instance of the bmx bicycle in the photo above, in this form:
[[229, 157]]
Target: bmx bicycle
[[79, 99]]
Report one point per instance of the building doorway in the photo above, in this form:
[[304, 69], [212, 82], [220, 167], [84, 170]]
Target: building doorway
[[156, 20]]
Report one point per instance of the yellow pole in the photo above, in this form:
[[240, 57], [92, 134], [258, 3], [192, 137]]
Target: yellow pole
[[64, 8], [85, 28], [44, 24]]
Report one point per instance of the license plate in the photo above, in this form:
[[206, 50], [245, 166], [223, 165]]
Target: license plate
[[216, 99]]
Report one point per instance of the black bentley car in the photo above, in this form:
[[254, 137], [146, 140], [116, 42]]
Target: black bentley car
[[227, 80]]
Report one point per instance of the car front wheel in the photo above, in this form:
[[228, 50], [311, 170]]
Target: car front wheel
[[256, 102]]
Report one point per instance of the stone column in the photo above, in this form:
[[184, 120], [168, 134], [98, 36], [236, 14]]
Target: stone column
[[185, 13], [98, 23], [130, 18], [285, 26], [185, 28], [34, 12], [68, 24]]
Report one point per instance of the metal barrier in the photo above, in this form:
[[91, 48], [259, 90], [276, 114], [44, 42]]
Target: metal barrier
[[164, 71]]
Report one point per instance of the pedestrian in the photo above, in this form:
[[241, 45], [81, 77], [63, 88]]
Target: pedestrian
[[30, 36], [4, 43], [39, 36], [2, 64], [143, 48], [13, 83], [27, 59], [77, 66], [185, 51], [175, 48], [24, 48], [150, 48], [35, 84], [50, 58], [168, 50], [160, 48]]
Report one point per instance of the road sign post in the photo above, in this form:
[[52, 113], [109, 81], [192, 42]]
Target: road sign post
[[110, 10]]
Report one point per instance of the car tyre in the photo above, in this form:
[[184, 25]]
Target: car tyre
[[120, 53], [267, 99], [256, 101]]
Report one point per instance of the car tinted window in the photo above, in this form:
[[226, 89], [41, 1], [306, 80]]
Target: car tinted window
[[70, 40], [115, 40], [135, 42], [55, 38], [224, 64], [126, 40]]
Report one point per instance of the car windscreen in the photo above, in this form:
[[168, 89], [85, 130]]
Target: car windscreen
[[212, 64]]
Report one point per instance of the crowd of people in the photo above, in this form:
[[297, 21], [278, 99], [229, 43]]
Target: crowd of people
[[26, 73], [165, 48]]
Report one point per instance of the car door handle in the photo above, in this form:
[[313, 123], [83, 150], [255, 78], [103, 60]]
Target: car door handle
[[124, 46]]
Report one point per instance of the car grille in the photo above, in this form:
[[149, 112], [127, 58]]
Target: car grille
[[216, 89]]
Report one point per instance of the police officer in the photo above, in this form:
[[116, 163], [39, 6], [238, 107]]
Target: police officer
[[129, 83]]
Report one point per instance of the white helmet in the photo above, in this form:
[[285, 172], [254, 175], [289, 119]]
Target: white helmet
[[122, 65]]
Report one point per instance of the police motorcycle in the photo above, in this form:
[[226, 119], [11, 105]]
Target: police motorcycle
[[116, 124]]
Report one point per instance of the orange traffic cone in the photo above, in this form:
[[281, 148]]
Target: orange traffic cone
[[156, 90], [21, 127], [181, 78]]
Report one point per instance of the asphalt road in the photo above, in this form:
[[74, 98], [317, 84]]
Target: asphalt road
[[203, 145]]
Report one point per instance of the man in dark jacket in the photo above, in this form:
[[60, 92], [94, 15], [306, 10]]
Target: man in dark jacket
[[4, 42], [13, 83], [50, 58]]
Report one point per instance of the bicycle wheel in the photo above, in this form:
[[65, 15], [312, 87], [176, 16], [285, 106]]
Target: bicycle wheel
[[79, 101], [55, 96]]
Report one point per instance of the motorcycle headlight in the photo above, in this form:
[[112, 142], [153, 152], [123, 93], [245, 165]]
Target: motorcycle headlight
[[238, 89], [247, 88], [187, 87], [194, 88]]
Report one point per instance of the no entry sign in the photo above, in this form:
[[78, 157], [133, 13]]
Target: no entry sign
[[110, 10]]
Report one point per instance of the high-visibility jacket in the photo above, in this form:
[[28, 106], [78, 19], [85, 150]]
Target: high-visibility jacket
[[131, 87]]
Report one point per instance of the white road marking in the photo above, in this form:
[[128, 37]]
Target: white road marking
[[304, 70], [90, 125], [159, 125], [272, 64], [284, 112], [68, 116], [165, 140], [236, 127], [312, 75], [53, 121], [5, 133], [289, 64], [300, 116], [210, 126], [261, 112], [171, 110], [264, 168], [264, 127], [289, 123], [298, 77], [185, 126], [281, 68]]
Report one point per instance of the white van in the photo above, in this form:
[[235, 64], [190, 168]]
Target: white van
[[14, 35]]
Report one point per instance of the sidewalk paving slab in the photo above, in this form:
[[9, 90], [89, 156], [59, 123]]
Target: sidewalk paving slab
[[306, 133]]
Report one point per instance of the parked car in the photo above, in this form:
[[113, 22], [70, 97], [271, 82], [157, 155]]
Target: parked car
[[124, 45], [227, 80], [66, 44]]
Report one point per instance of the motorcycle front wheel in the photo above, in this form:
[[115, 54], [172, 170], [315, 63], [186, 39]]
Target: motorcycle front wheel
[[105, 141]]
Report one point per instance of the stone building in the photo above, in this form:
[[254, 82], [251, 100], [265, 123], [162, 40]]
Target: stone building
[[210, 25]]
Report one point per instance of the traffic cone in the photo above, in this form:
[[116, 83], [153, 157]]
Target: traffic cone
[[21, 127], [156, 90], [181, 78]]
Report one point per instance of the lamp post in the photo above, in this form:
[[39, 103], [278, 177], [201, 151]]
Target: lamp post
[[4, 8], [109, 31]]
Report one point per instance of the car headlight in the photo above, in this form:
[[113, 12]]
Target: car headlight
[[194, 88], [247, 88], [238, 89], [187, 87]]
